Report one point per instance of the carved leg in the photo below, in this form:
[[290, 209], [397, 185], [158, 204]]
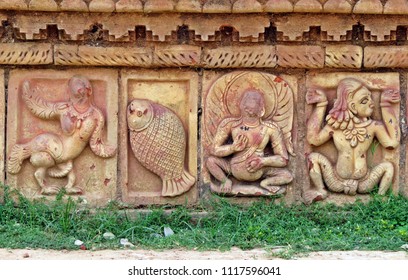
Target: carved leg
[[217, 167], [275, 180], [384, 172], [60, 170], [43, 161], [321, 171], [70, 188]]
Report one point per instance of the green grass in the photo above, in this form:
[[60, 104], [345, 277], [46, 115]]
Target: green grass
[[381, 224]]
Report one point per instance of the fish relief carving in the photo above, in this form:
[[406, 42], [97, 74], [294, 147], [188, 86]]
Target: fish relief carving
[[158, 141]]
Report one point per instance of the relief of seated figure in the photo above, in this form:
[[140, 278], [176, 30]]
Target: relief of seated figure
[[350, 127], [238, 152]]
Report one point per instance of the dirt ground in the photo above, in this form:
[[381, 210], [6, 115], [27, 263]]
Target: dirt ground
[[233, 254]]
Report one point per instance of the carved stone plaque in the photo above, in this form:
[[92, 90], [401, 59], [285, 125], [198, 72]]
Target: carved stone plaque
[[2, 125], [352, 134], [62, 133], [158, 137], [247, 133]]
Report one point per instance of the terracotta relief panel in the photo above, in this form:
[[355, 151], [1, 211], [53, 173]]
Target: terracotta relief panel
[[353, 134], [247, 132], [158, 137], [2, 124], [62, 133]]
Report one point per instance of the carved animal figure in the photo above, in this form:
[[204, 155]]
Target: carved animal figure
[[158, 141]]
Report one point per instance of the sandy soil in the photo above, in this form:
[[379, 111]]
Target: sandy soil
[[234, 254]]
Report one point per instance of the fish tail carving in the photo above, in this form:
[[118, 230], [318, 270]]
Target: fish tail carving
[[177, 186]]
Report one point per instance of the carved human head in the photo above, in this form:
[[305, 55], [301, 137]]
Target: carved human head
[[79, 87], [252, 103], [353, 96]]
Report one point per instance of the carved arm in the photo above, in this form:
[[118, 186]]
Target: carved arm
[[96, 143], [316, 135], [40, 107], [389, 133]]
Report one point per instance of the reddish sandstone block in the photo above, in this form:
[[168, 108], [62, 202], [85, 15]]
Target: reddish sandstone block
[[158, 137], [45, 126]]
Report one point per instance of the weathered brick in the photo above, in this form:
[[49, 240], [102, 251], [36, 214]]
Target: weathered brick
[[155, 6], [102, 6], [278, 6], [368, 7], [246, 6], [308, 6], [43, 5], [25, 53], [396, 7], [176, 56], [14, 5], [336, 6], [102, 56], [188, 6], [74, 5], [344, 56], [129, 6], [234, 57], [300, 56], [385, 56], [217, 6]]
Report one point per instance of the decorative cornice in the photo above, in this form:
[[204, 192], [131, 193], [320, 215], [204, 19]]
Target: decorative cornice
[[211, 6]]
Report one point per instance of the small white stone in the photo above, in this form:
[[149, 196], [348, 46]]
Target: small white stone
[[126, 243], [78, 242], [108, 235], [404, 247], [168, 232]]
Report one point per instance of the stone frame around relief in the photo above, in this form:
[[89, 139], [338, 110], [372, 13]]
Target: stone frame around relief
[[138, 185], [376, 82], [97, 176]]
